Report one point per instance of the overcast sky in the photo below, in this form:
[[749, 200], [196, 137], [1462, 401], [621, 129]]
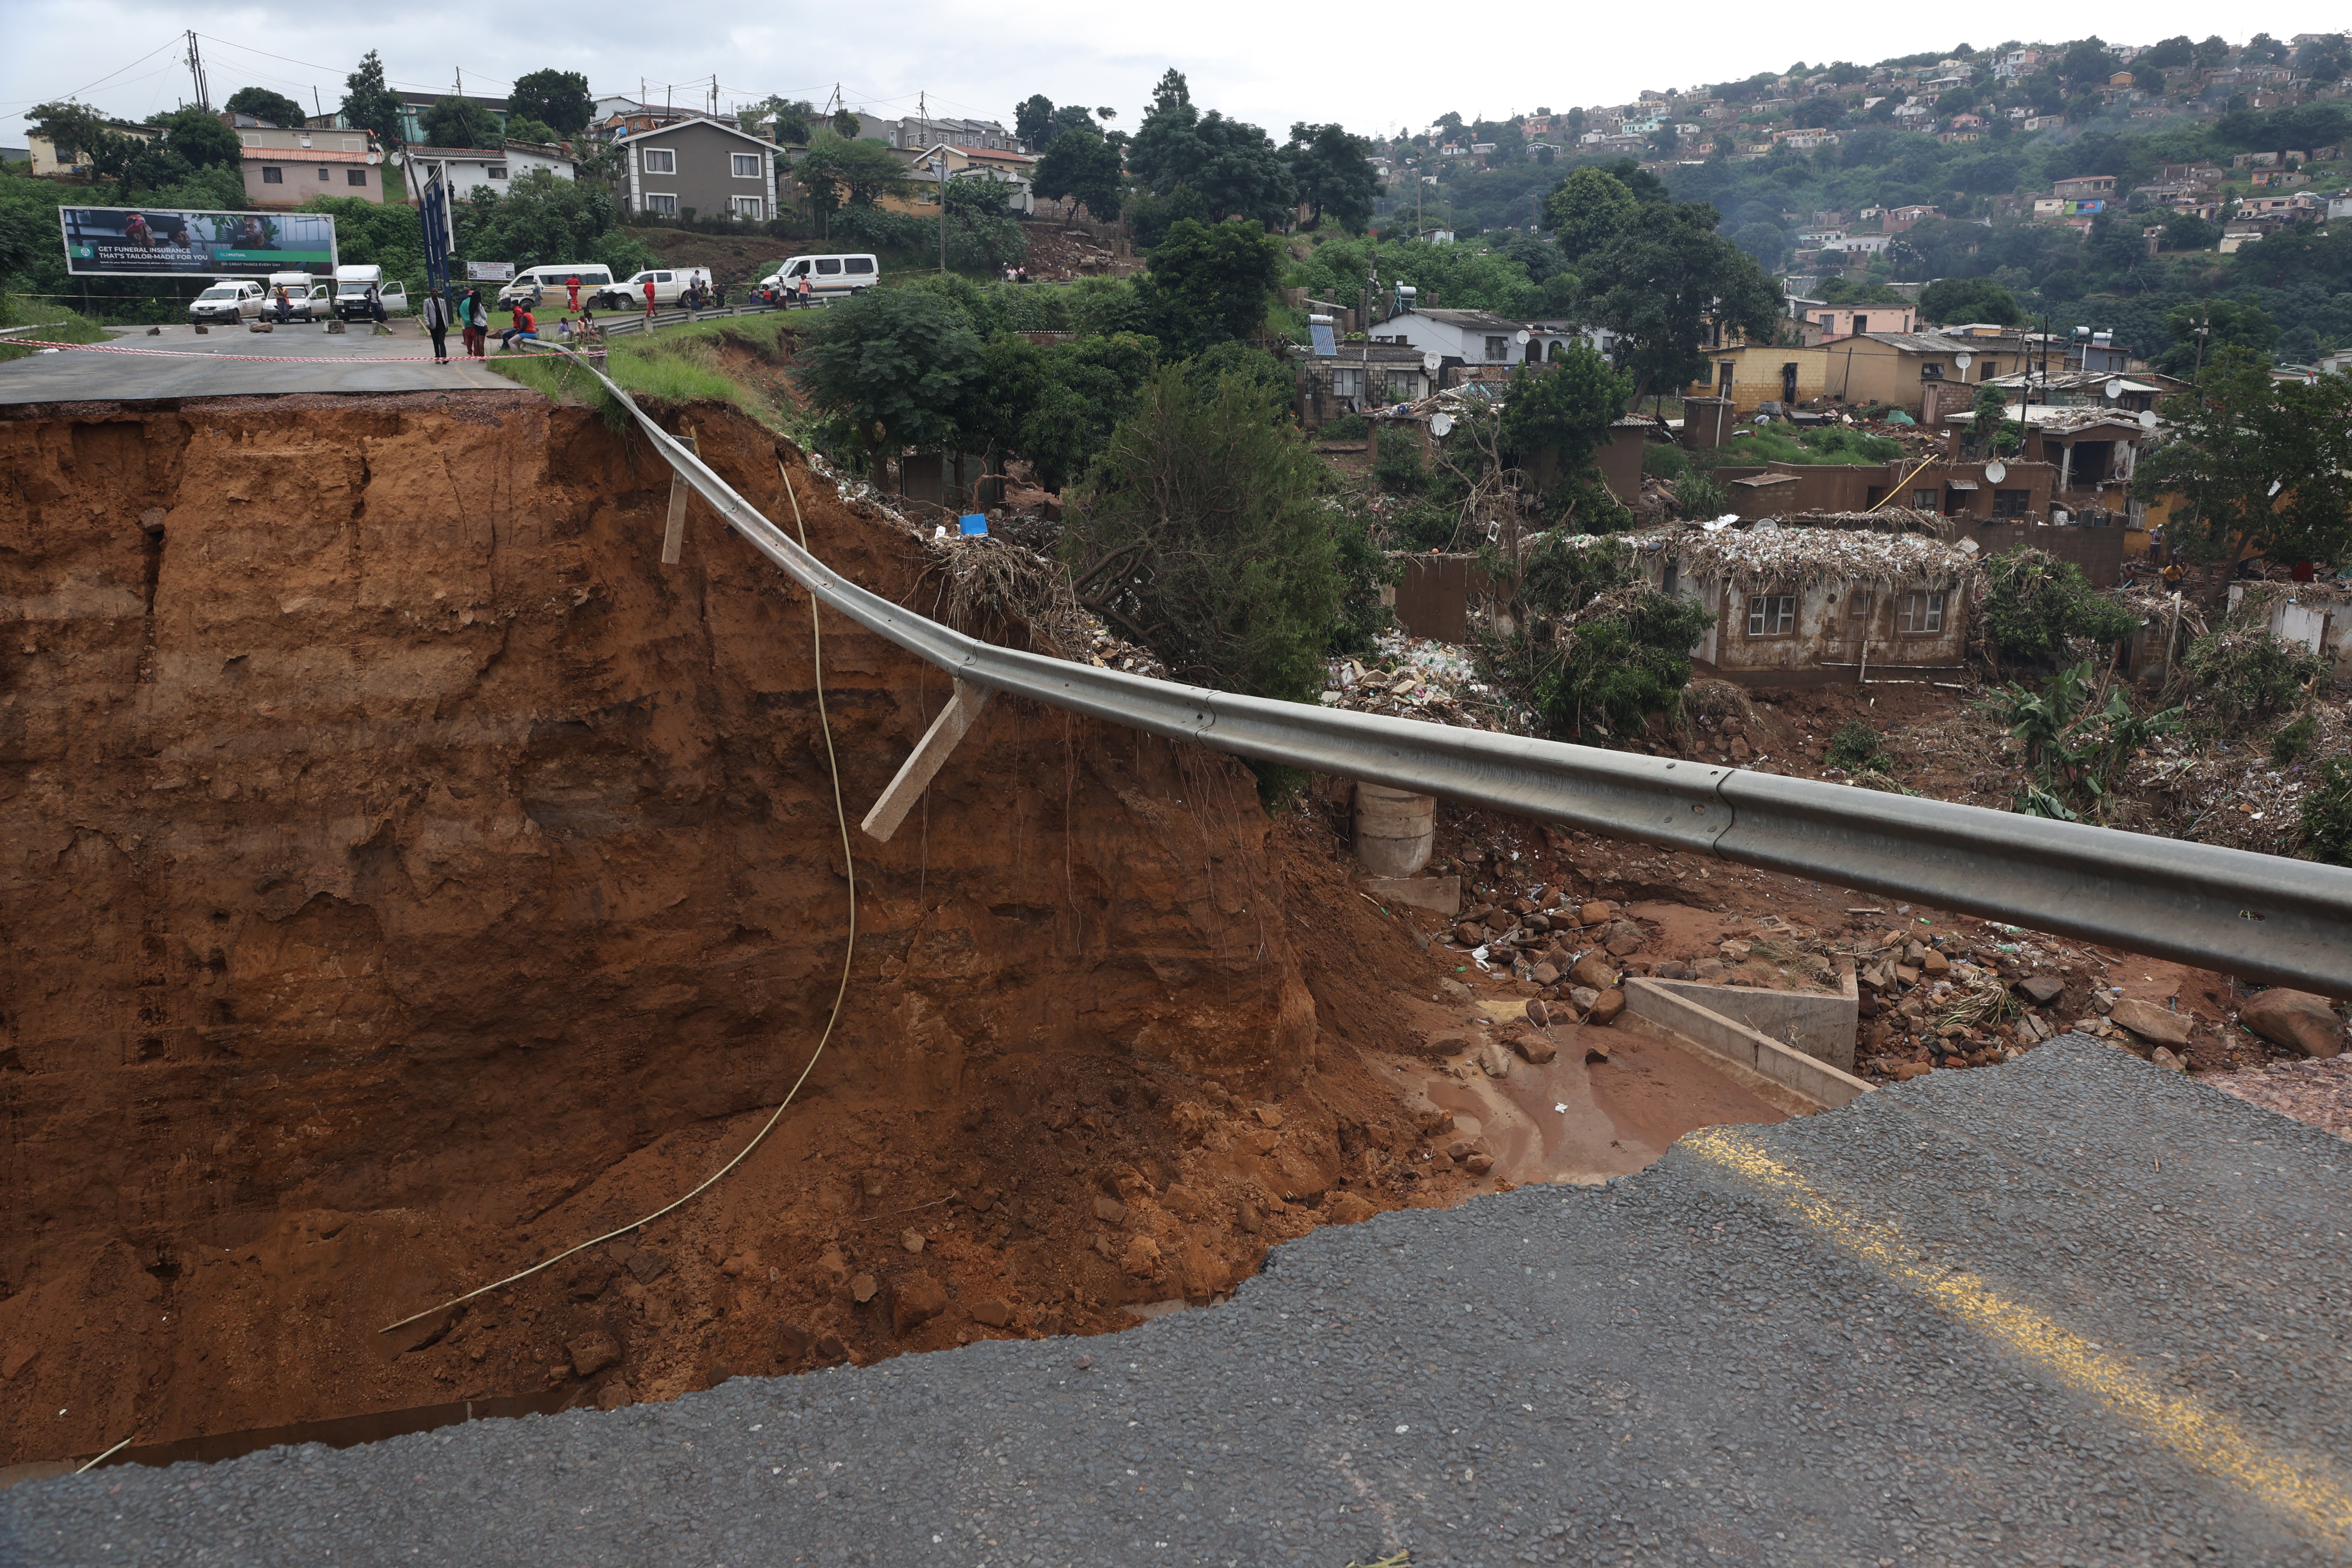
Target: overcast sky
[[1268, 64]]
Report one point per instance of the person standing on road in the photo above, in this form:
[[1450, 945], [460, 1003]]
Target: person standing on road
[[804, 291], [475, 320], [571, 287], [436, 324], [649, 299]]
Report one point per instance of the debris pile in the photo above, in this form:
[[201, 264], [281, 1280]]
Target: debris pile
[[1407, 677]]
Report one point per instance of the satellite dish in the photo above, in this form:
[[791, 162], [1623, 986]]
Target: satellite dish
[[2147, 418], [1441, 424], [2116, 387], [1962, 362], [1996, 472], [1432, 359], [1525, 335]]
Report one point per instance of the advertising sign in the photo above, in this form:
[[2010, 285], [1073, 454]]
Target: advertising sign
[[490, 272], [119, 242]]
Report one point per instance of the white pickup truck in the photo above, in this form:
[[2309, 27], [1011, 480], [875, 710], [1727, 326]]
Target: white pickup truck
[[669, 284], [351, 286]]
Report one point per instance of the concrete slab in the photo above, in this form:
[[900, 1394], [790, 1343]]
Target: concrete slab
[[235, 362]]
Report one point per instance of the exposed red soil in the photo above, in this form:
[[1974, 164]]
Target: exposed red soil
[[407, 876]]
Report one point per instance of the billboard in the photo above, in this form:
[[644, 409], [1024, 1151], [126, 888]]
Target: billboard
[[126, 242]]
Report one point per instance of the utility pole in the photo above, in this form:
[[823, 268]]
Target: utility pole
[[197, 71]]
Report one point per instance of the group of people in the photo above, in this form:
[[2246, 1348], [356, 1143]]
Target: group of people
[[471, 317], [1016, 274]]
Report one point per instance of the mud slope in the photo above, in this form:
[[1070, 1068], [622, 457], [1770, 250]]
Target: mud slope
[[402, 872]]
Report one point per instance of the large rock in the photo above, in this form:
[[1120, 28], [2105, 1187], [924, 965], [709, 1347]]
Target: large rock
[[1352, 1208], [914, 1300], [1536, 1049], [2296, 1019], [1594, 970], [1607, 1005], [2041, 989], [2150, 1022], [592, 1351]]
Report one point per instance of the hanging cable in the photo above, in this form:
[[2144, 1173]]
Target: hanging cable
[[849, 864]]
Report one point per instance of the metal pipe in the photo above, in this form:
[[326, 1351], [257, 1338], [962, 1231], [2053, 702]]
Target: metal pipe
[[2260, 917]]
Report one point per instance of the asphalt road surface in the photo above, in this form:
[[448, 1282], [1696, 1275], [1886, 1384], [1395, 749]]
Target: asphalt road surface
[[2075, 1310], [300, 357]]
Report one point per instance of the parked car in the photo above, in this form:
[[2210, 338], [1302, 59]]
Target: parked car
[[307, 298], [669, 283], [228, 299], [595, 278], [829, 277], [351, 286]]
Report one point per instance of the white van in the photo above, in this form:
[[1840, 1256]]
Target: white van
[[307, 298], [351, 286], [829, 277], [228, 299], [542, 284], [669, 283]]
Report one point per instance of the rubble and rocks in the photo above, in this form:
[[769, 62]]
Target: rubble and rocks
[[2296, 1019], [1413, 677]]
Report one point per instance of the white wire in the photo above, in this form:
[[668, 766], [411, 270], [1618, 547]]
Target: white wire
[[841, 815]]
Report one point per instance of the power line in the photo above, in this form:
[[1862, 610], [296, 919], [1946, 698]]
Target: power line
[[110, 76]]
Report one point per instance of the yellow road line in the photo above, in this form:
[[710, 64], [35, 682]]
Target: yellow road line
[[2302, 1485]]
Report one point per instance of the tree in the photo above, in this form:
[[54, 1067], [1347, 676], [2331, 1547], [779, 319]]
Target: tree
[[197, 135], [269, 107], [457, 122], [1202, 533], [519, 129], [2187, 231], [1566, 408], [1033, 122], [2213, 52], [2201, 332], [2170, 53], [1232, 166], [1056, 406], [1081, 166], [1586, 211], [2257, 462], [541, 218], [78, 132], [2086, 63], [1209, 282], [1955, 301], [1332, 172], [1659, 283], [554, 98], [370, 104], [838, 172], [893, 364], [793, 119]]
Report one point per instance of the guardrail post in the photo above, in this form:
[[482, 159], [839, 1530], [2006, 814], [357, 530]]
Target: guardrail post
[[915, 776], [674, 536]]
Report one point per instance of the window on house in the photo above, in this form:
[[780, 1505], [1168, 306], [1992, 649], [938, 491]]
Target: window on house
[[272, 176], [1497, 349], [2010, 503], [1347, 381], [660, 160], [1931, 372], [1928, 501], [750, 208], [325, 174], [1858, 605], [1862, 324], [1772, 615], [497, 171], [1403, 385], [1921, 615], [666, 205], [355, 177], [747, 165]]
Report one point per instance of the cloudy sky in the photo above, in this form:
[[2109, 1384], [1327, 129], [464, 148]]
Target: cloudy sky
[[1266, 64]]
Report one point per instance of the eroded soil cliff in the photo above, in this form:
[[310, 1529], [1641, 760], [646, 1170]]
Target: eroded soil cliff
[[402, 875]]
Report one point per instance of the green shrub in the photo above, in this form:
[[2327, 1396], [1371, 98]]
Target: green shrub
[[1347, 427], [1397, 468], [2033, 603], [1858, 749], [1697, 496], [2247, 676], [2289, 744], [1626, 667], [2327, 815]]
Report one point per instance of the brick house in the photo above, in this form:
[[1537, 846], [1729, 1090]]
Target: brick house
[[286, 168]]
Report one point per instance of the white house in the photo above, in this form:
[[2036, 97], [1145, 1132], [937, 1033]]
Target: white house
[[469, 169], [1481, 337]]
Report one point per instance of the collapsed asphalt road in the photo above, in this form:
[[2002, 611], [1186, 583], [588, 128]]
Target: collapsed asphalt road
[[2076, 1310]]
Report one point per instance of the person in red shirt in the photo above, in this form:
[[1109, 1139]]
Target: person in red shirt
[[649, 299], [525, 328], [571, 287]]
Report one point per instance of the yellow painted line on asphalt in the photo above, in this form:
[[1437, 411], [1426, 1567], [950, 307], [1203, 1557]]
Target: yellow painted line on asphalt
[[2302, 1486]]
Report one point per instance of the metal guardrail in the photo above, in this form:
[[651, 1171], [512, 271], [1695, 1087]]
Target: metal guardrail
[[2260, 917]]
